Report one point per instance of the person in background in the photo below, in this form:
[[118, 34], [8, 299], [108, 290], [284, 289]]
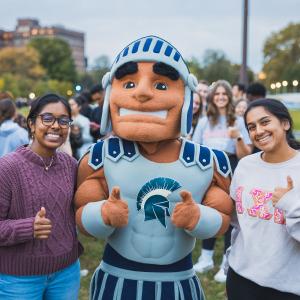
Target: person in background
[[255, 91], [97, 95], [197, 106], [6, 95], [202, 90], [238, 92], [18, 118], [39, 249], [11, 134], [221, 130], [75, 140], [264, 259], [240, 107], [85, 108], [83, 123]]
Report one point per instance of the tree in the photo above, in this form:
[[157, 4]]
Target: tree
[[282, 55], [195, 68], [217, 66], [100, 66], [56, 58], [54, 86], [23, 61]]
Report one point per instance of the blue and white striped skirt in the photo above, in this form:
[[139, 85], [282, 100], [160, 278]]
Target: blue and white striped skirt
[[113, 283]]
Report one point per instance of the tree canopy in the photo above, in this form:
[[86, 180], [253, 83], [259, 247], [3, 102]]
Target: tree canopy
[[23, 61], [216, 66], [282, 55], [56, 58]]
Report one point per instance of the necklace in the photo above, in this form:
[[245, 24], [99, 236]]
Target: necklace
[[50, 164], [45, 166]]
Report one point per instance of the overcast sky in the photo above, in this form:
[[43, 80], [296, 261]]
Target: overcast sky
[[191, 25]]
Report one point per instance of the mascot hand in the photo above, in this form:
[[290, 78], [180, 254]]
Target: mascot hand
[[115, 210], [186, 214]]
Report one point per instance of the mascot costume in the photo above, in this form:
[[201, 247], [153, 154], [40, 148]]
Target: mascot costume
[[146, 190]]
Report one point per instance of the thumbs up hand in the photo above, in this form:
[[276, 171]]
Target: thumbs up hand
[[279, 192], [115, 210], [41, 226], [186, 214]]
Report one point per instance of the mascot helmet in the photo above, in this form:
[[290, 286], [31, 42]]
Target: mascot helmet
[[152, 49]]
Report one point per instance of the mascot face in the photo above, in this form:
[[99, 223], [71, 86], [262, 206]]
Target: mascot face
[[146, 101]]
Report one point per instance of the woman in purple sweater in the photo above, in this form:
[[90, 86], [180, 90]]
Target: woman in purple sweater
[[39, 249]]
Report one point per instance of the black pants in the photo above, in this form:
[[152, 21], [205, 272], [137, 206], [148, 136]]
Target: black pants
[[209, 244], [240, 288]]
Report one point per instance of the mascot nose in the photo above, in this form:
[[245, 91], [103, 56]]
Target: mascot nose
[[143, 91]]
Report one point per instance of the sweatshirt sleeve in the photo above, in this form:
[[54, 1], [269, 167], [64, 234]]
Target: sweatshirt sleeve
[[290, 204], [11, 231]]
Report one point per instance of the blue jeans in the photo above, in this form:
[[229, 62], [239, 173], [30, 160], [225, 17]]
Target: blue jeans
[[61, 285]]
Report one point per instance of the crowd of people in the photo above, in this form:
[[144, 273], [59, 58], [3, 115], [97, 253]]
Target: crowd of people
[[39, 248]]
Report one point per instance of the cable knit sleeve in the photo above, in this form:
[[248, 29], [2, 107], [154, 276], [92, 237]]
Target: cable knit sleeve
[[11, 231]]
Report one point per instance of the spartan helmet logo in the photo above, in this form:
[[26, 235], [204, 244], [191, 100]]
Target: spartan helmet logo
[[152, 198], [152, 48]]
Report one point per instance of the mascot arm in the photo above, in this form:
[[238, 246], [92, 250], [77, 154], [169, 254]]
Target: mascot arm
[[215, 209], [91, 191]]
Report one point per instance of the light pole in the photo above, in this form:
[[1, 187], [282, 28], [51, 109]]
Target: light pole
[[243, 70]]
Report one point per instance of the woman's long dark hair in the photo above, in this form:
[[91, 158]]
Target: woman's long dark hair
[[280, 111]]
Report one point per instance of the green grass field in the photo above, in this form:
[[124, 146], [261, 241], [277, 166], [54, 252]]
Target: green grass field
[[296, 118], [93, 253]]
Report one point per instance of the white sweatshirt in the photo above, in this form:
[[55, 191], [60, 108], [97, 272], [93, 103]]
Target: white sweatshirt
[[266, 240]]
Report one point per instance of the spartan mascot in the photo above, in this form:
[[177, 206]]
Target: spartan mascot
[[145, 189]]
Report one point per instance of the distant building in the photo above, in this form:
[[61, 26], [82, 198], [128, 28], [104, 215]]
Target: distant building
[[28, 29]]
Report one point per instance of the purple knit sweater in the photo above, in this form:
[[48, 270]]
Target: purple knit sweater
[[25, 186]]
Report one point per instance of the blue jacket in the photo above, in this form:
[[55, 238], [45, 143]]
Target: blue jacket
[[11, 137]]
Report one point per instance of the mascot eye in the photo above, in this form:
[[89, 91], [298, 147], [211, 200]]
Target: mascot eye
[[161, 86], [129, 85]]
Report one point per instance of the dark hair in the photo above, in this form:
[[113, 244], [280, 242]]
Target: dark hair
[[96, 89], [212, 110], [256, 89], [39, 103], [7, 110], [203, 81], [241, 86], [79, 100], [280, 111]]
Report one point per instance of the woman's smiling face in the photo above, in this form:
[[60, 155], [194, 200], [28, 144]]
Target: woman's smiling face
[[266, 131], [48, 138]]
